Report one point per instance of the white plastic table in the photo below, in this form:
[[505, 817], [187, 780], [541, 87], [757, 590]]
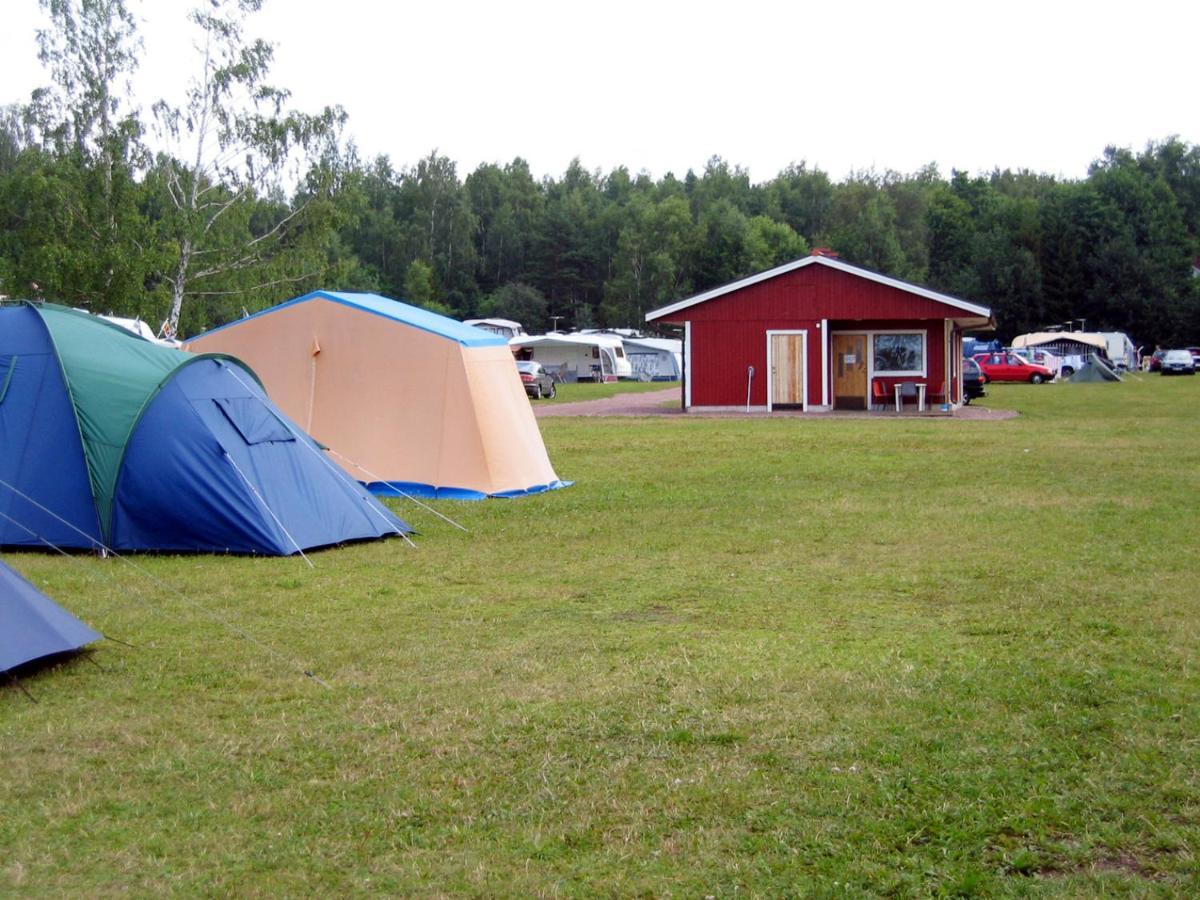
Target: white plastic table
[[920, 396]]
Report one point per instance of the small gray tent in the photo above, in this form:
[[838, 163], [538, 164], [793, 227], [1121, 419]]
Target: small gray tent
[[1095, 370], [33, 626]]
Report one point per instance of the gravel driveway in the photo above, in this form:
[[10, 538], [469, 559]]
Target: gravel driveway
[[652, 403]]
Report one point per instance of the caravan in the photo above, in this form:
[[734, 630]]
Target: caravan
[[575, 357], [655, 359]]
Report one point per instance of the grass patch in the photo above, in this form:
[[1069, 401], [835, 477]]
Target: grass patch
[[765, 657], [589, 390]]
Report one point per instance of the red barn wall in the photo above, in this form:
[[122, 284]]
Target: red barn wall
[[728, 333]]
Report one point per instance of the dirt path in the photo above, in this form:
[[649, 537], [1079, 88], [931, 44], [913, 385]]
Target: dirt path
[[653, 403]]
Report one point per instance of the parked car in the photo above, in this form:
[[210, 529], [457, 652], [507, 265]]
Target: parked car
[[1153, 362], [1006, 366], [1178, 362], [973, 380], [1195, 351], [537, 381]]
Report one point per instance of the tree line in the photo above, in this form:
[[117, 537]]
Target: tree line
[[244, 202]]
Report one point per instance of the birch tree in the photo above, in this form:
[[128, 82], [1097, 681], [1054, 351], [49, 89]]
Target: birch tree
[[78, 234], [231, 143]]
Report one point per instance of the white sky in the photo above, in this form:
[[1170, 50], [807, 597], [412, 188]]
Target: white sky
[[661, 86]]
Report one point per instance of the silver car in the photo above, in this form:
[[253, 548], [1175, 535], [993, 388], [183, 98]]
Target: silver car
[[1178, 362], [537, 381]]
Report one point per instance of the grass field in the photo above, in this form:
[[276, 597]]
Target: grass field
[[587, 390], [755, 658]]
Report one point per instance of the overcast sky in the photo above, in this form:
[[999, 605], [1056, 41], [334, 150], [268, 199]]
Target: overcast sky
[[662, 87]]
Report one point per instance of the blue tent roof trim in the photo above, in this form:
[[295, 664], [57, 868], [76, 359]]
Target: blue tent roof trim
[[32, 626], [433, 492], [414, 316]]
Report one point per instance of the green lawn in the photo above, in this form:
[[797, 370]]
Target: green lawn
[[588, 390], [765, 658]]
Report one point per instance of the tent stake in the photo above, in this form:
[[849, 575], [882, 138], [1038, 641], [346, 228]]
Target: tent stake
[[20, 687]]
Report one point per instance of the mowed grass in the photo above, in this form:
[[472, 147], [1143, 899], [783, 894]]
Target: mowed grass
[[763, 658], [574, 392]]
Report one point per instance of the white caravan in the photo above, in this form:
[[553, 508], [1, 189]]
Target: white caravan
[[575, 357], [506, 328]]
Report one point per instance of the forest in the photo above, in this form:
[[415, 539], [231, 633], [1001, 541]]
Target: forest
[[229, 201]]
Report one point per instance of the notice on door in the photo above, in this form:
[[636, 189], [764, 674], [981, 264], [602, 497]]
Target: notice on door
[[851, 359]]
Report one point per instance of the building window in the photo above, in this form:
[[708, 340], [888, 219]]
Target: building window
[[899, 354]]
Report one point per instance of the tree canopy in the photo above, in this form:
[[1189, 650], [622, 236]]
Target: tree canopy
[[246, 202]]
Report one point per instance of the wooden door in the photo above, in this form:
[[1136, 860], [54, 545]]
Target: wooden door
[[787, 370], [850, 371]]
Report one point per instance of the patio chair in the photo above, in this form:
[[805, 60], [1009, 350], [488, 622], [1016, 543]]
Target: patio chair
[[879, 394]]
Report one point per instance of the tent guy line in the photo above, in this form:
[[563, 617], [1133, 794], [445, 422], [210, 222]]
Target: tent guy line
[[73, 559], [325, 460], [267, 507], [379, 480], [166, 586]]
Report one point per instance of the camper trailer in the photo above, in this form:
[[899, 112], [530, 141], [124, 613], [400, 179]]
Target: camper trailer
[[1120, 349], [1074, 348], [655, 359], [575, 357], [506, 328]]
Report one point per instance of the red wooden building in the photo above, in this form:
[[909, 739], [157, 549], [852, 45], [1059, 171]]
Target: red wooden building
[[820, 334]]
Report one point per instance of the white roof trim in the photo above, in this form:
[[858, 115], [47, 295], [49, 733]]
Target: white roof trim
[[945, 299]]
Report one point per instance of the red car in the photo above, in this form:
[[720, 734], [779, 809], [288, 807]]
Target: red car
[[1010, 367]]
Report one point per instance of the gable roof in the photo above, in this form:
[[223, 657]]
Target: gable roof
[[404, 313], [946, 299]]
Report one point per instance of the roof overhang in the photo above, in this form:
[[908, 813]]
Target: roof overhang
[[976, 316]]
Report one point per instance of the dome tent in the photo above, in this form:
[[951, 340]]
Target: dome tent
[[109, 440], [32, 626]]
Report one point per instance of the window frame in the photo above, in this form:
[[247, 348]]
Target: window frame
[[921, 372]]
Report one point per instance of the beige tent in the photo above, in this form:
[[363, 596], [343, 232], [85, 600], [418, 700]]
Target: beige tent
[[400, 395]]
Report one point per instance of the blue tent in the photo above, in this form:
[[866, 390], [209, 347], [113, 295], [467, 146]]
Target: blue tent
[[107, 439], [32, 625]]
